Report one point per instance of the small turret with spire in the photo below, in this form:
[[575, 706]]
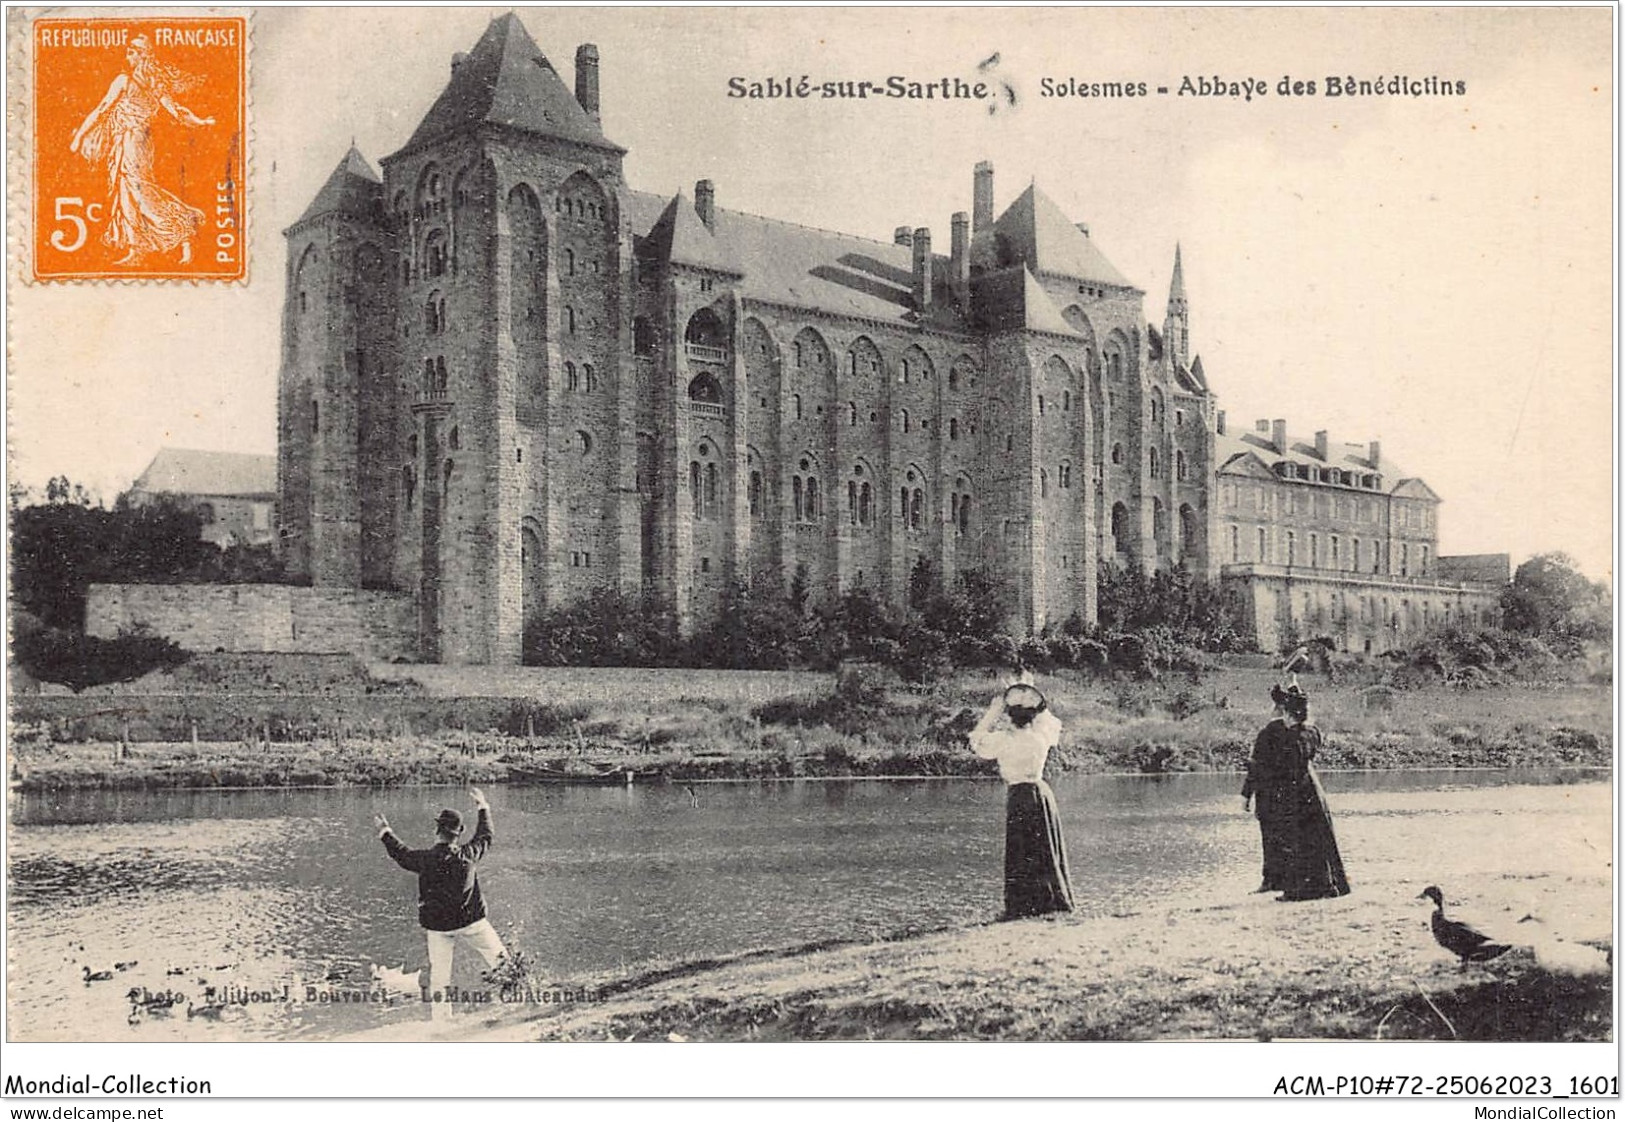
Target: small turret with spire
[[1176, 324]]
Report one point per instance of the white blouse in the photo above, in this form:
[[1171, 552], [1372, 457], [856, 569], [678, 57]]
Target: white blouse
[[1020, 752]]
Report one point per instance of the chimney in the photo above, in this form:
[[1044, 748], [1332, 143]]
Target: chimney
[[903, 235], [959, 259], [1278, 428], [982, 198], [1322, 445], [587, 78], [1218, 424], [705, 202], [1375, 455], [922, 268]]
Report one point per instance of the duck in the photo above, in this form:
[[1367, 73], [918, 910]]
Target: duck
[[1460, 939], [122, 966], [97, 976]]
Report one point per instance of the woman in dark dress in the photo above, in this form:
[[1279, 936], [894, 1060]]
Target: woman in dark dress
[[1309, 864], [1018, 731], [1266, 789]]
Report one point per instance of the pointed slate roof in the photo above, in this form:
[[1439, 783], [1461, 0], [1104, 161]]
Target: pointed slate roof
[[1349, 457], [680, 237], [353, 189], [783, 263], [187, 471], [1176, 287], [1035, 232], [507, 80], [1041, 312]]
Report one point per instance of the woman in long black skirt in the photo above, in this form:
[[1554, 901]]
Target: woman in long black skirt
[[1311, 866], [1018, 731]]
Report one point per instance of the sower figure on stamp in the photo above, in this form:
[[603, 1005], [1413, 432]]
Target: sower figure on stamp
[[142, 217], [450, 907]]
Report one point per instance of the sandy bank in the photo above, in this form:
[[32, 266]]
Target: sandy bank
[[1228, 964]]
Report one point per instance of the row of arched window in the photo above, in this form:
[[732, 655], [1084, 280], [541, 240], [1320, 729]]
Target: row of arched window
[[584, 379]]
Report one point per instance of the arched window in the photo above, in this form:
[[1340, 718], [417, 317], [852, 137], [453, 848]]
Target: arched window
[[964, 514], [705, 389], [572, 378], [755, 494], [865, 504], [434, 314], [408, 485], [905, 372], [570, 319], [315, 416], [643, 336], [852, 407], [1154, 468], [1040, 405], [590, 375], [1179, 465], [916, 509], [1117, 453], [695, 496], [953, 428], [814, 507], [455, 440], [445, 486], [569, 262], [434, 254], [584, 442], [1119, 528], [1043, 484], [796, 488], [905, 420], [440, 373], [797, 399], [710, 490]]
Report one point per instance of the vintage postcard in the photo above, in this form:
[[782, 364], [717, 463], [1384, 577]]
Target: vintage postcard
[[746, 526]]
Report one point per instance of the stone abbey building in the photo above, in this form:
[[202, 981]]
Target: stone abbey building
[[509, 379]]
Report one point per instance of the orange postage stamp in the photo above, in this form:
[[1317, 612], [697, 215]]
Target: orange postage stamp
[[138, 148]]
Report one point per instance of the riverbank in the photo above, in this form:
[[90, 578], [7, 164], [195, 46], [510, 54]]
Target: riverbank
[[688, 726], [1224, 965]]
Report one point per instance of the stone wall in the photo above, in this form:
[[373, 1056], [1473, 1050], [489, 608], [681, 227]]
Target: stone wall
[[260, 617], [1364, 613]]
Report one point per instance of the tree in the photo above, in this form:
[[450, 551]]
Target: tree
[[61, 547], [1550, 596]]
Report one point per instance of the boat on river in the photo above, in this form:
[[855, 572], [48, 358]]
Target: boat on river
[[595, 776]]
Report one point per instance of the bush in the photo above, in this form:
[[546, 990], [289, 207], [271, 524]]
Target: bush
[[78, 661], [606, 629]]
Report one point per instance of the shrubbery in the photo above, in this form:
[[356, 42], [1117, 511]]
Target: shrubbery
[[78, 661], [60, 548], [1158, 624]]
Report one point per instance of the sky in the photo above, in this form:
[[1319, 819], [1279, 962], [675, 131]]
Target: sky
[[1432, 272]]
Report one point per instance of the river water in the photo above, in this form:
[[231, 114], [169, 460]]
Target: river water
[[282, 903]]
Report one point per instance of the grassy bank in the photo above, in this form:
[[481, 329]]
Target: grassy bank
[[1226, 964], [690, 725]]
